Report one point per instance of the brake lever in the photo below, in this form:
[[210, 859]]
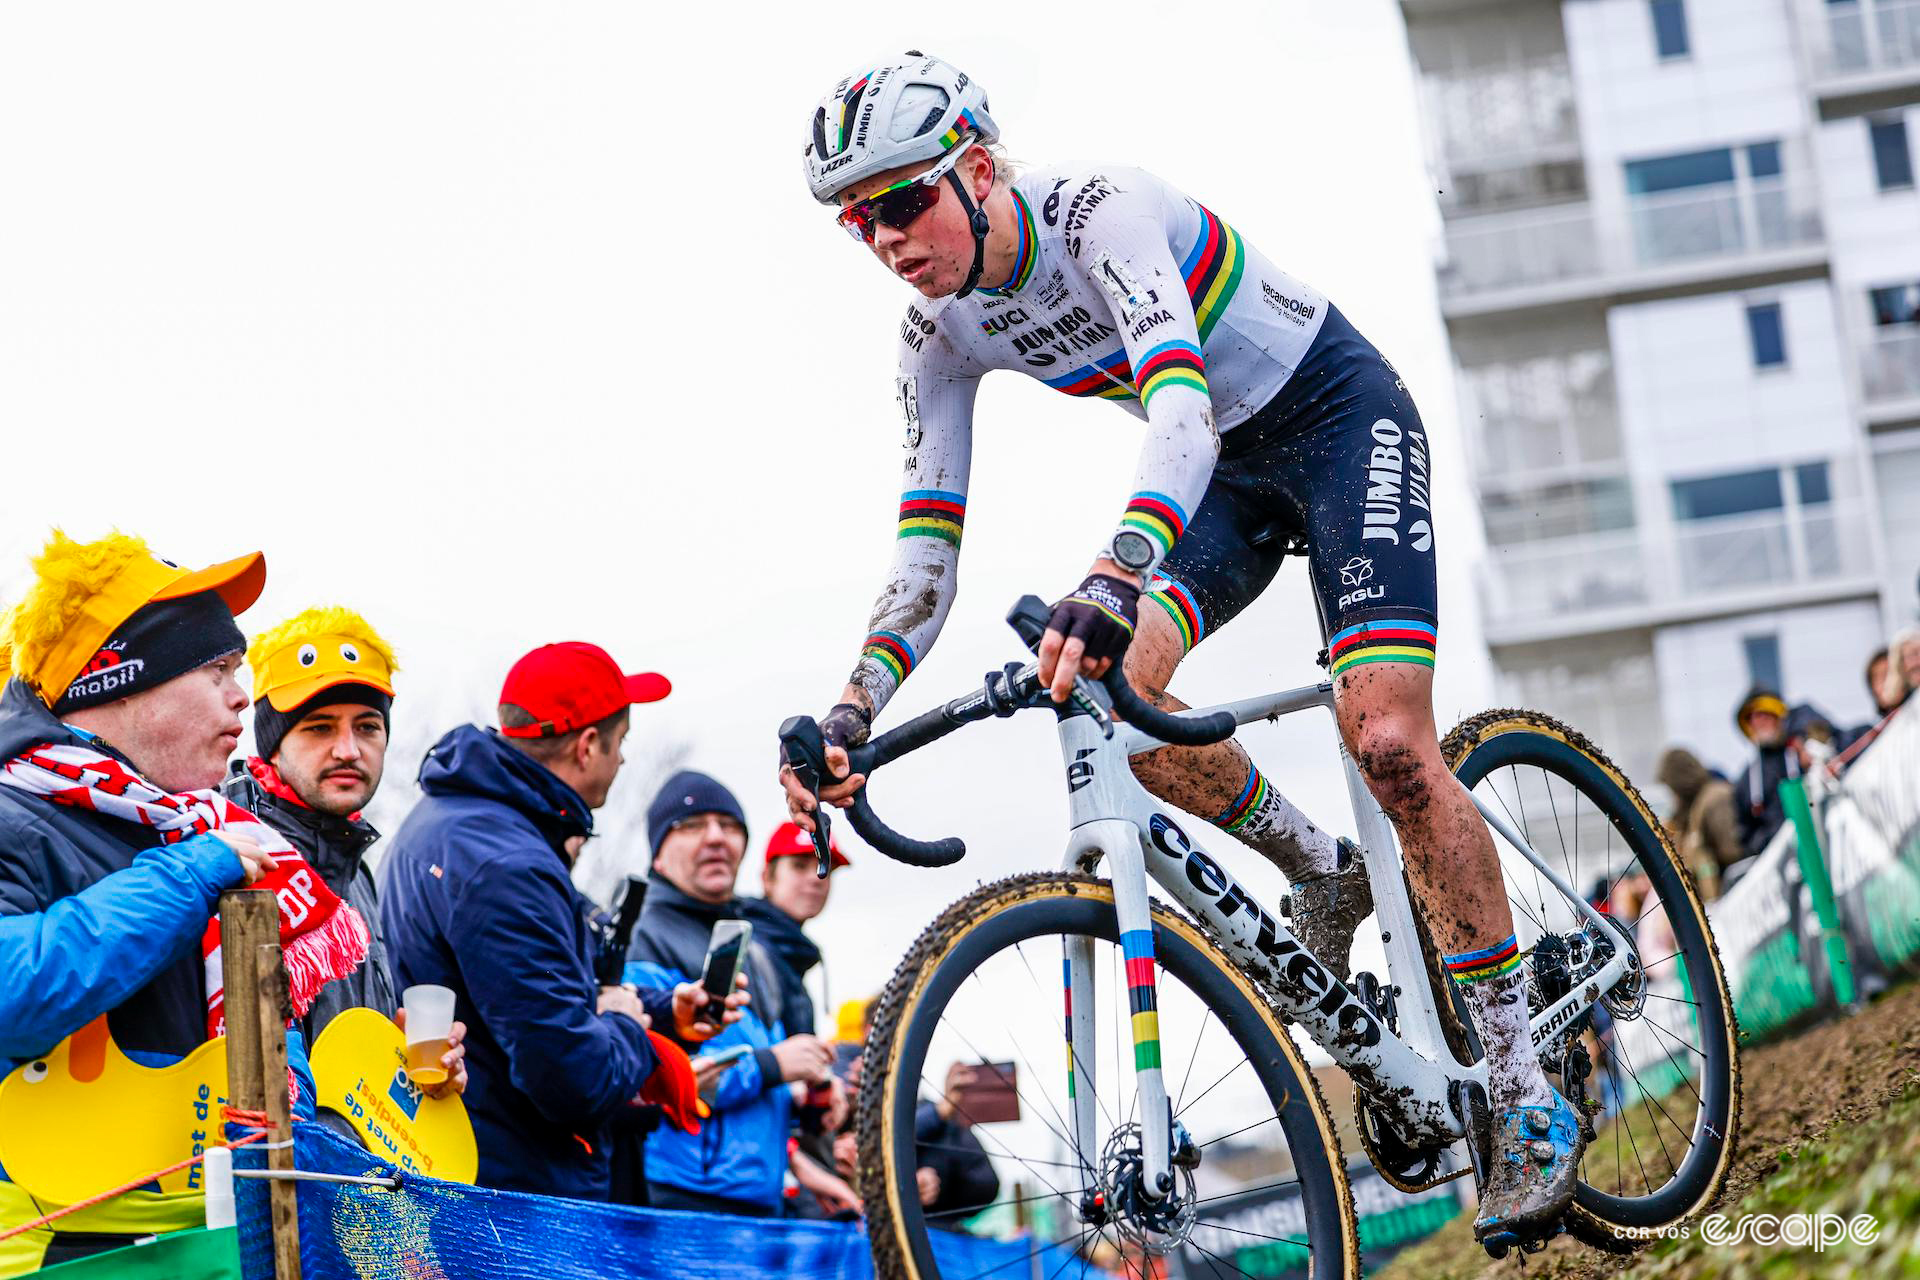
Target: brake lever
[[1028, 618], [806, 754]]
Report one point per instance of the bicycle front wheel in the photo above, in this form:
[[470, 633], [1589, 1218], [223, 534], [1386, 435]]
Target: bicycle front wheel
[[1661, 1050], [983, 984]]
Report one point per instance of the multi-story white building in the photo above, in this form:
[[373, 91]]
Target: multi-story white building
[[1681, 277]]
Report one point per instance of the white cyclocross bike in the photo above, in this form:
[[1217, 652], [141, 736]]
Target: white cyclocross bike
[[1183, 1096]]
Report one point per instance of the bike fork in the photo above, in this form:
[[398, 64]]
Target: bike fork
[[1119, 841]]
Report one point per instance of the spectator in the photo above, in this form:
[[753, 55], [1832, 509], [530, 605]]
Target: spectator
[[1877, 683], [738, 1161], [956, 1179], [476, 897], [795, 894], [1703, 819], [117, 720], [322, 698], [1903, 669], [1779, 738]]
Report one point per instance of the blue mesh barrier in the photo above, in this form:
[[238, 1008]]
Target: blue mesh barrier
[[433, 1230]]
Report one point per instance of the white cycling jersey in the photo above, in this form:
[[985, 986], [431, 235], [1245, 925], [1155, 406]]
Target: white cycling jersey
[[1125, 289]]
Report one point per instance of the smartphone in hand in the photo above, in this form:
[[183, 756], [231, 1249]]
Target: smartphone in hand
[[726, 954]]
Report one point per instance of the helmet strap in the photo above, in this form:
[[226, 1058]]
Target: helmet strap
[[977, 218]]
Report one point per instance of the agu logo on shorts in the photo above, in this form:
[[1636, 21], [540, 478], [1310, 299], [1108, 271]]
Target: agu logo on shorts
[[1357, 572], [1396, 480]]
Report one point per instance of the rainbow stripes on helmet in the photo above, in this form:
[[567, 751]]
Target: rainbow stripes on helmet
[[1486, 964], [963, 124], [1383, 640], [932, 513]]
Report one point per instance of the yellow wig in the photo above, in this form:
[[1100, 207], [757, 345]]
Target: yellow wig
[[67, 576], [270, 676]]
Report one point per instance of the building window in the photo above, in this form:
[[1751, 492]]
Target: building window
[[1895, 304], [1810, 478], [1670, 28], [1769, 337], [1892, 159], [1763, 659], [1730, 495], [1673, 173]]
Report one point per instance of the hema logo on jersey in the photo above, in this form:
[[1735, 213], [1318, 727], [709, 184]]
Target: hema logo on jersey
[[1396, 479]]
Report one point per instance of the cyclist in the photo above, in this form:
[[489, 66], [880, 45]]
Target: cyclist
[[1267, 416]]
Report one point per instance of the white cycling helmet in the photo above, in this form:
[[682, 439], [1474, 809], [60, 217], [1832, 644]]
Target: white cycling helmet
[[891, 114]]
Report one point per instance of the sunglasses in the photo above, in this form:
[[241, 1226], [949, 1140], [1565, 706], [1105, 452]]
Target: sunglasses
[[898, 205]]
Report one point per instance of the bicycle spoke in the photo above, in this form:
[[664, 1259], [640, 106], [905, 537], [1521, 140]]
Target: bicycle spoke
[[1258, 1235], [1021, 1054], [1217, 1258], [1526, 833], [1205, 1021], [1202, 1146], [1247, 1191], [1210, 1088], [1572, 879], [1655, 995], [1647, 1098]]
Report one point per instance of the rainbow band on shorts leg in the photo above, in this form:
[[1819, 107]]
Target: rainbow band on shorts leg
[[1383, 640], [891, 650], [1137, 946], [1251, 797], [1486, 964], [932, 513], [1181, 606]]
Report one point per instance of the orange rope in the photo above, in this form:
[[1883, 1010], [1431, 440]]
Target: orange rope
[[256, 1120]]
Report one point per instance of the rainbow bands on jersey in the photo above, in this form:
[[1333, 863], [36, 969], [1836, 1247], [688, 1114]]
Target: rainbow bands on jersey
[[1496, 961], [1383, 640], [1171, 364], [1212, 270], [1178, 601], [1110, 378], [891, 650], [932, 513], [1251, 797], [1158, 516], [1137, 946], [1024, 256]]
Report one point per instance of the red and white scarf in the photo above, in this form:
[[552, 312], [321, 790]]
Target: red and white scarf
[[321, 937]]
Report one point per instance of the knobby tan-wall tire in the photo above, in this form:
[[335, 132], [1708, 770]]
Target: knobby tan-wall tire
[[1063, 904], [1470, 751]]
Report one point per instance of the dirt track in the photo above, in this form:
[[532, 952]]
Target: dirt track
[[1796, 1093]]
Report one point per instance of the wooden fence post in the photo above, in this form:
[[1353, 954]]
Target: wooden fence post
[[257, 1009]]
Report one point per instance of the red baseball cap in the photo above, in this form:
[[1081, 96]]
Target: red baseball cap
[[571, 685], [789, 841]]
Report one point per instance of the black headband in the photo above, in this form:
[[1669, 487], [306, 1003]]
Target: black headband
[[163, 639]]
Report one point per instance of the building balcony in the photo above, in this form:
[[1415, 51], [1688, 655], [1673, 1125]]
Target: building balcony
[[1669, 243], [1631, 579], [1857, 48], [1542, 419], [1890, 373], [1504, 135]]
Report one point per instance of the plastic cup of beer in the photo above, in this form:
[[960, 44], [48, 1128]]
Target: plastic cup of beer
[[429, 1023]]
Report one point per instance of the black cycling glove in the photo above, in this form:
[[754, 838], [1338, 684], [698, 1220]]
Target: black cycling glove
[[1101, 613], [847, 725]]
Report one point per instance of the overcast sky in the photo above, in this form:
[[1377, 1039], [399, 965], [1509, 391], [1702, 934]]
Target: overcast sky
[[505, 324]]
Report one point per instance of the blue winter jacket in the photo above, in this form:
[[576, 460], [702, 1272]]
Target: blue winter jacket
[[96, 919], [475, 896], [741, 1149]]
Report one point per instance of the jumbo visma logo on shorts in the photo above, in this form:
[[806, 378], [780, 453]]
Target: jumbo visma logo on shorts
[[1396, 479]]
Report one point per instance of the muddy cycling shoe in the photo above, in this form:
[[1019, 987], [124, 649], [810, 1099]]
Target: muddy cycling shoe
[[1324, 910], [1533, 1160]]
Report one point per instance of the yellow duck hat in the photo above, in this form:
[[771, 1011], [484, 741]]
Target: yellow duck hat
[[83, 591], [316, 650]]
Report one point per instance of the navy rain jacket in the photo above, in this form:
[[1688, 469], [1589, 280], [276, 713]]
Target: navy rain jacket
[[476, 897]]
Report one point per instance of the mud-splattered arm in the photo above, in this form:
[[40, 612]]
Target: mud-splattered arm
[[936, 389]]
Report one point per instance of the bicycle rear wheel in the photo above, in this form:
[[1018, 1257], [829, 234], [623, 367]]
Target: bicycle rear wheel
[[983, 983], [1664, 1050]]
